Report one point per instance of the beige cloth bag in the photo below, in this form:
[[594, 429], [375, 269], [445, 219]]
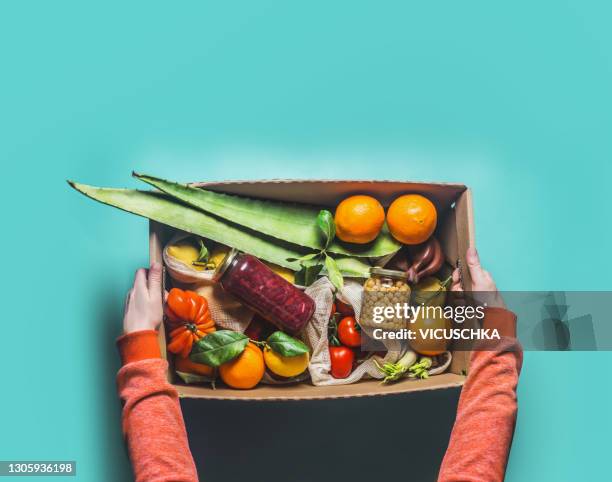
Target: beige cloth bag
[[226, 311], [315, 335]]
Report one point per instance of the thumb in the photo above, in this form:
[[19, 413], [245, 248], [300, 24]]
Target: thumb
[[154, 281], [473, 262]]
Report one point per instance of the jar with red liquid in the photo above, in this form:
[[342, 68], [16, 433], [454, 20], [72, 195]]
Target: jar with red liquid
[[264, 291]]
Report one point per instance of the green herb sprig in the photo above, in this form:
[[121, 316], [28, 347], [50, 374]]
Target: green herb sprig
[[313, 263]]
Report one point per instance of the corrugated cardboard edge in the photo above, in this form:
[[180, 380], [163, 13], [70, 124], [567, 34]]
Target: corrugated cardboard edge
[[465, 238], [358, 390], [461, 196]]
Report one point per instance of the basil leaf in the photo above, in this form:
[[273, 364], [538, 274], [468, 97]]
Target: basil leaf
[[307, 275], [190, 378], [203, 255], [334, 274], [218, 347], [325, 221], [286, 345]]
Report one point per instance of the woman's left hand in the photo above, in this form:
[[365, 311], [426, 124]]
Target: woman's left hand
[[143, 304]]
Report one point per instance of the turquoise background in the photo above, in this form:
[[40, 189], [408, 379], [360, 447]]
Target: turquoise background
[[512, 99]]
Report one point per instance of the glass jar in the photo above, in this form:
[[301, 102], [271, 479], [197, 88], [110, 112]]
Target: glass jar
[[264, 291], [385, 288]]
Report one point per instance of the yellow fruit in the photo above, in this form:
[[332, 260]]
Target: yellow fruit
[[429, 291], [285, 366], [359, 219], [218, 254], [246, 370], [185, 252], [283, 272], [429, 346]]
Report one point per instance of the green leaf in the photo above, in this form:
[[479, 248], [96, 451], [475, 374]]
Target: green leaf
[[307, 275], [306, 257], [190, 378], [203, 255], [218, 347], [164, 209], [286, 345], [295, 223], [325, 221], [333, 272]]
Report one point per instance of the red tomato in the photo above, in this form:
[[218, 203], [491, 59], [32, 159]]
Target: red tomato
[[333, 310], [342, 359], [349, 333], [344, 309]]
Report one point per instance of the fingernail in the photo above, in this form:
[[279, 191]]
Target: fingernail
[[472, 253]]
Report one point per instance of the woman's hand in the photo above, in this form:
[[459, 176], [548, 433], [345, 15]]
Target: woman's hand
[[483, 286], [143, 304]]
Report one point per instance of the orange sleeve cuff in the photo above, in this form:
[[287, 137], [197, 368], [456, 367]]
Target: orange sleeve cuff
[[500, 319], [138, 345]]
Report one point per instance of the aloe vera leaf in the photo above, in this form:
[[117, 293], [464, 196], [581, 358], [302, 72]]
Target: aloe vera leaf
[[164, 209], [290, 222]]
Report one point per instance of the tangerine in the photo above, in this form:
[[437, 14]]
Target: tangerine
[[246, 370], [359, 219], [412, 218], [185, 365]]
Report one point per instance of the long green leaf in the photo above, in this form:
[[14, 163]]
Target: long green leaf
[[294, 223], [166, 210]]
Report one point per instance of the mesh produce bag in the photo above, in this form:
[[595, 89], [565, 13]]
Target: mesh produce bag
[[226, 311], [315, 335]]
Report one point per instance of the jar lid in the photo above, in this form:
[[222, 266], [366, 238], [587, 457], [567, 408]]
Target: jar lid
[[223, 265], [388, 273]]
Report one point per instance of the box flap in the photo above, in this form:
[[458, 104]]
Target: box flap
[[303, 391], [331, 192]]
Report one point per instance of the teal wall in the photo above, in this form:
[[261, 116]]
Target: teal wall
[[512, 99]]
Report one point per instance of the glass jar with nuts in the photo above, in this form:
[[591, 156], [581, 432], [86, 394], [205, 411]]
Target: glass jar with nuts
[[384, 295]]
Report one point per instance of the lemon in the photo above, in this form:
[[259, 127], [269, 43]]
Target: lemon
[[283, 272], [285, 366], [186, 253], [429, 291], [218, 254]]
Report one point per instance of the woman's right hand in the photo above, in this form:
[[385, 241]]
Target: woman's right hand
[[483, 286]]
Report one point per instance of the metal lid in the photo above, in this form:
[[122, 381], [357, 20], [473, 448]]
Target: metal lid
[[388, 273], [223, 265]]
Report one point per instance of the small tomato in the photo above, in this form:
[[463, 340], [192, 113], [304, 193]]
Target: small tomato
[[342, 359], [349, 332]]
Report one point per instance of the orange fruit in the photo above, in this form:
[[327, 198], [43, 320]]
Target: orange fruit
[[429, 346], [246, 370], [185, 365], [359, 219], [412, 218]]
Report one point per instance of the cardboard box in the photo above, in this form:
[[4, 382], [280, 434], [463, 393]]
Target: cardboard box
[[455, 231]]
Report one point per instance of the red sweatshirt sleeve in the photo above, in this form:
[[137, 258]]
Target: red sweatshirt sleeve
[[486, 415], [152, 420]]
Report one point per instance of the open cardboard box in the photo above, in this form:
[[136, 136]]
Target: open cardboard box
[[455, 231]]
